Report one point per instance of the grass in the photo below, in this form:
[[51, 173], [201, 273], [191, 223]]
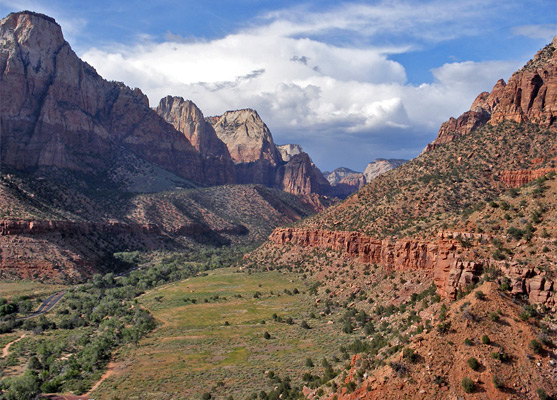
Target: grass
[[193, 349], [9, 289]]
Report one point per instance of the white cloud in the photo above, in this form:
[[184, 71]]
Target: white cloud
[[543, 31], [309, 90]]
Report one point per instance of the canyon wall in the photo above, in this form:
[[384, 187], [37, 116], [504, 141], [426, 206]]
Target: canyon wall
[[443, 257]]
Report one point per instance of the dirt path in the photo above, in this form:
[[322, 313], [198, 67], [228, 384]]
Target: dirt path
[[110, 369], [6, 349]]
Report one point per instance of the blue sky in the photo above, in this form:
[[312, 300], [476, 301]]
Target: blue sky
[[350, 81]]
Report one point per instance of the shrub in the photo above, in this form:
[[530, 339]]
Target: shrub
[[486, 339], [479, 295], [305, 325], [498, 382], [542, 394], [468, 342], [536, 346], [468, 385], [267, 335], [444, 327], [473, 363], [410, 355], [494, 316], [309, 362]]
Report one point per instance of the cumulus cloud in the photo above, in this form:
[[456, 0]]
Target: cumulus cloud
[[309, 85]]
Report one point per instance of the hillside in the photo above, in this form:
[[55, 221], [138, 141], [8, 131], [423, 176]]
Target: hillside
[[470, 222], [64, 226]]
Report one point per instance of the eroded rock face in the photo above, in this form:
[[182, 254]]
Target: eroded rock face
[[443, 257], [188, 119], [57, 111], [522, 177], [529, 95], [287, 151], [301, 176], [380, 166], [250, 145]]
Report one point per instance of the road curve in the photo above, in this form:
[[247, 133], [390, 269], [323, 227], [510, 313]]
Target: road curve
[[46, 305]]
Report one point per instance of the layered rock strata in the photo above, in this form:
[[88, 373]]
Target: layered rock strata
[[56, 111], [443, 257], [522, 177], [529, 95]]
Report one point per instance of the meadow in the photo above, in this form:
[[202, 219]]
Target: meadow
[[224, 334]]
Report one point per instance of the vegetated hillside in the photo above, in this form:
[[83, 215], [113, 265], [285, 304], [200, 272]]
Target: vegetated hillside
[[417, 197], [432, 256], [63, 225]]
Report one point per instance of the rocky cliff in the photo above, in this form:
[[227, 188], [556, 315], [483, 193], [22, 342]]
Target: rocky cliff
[[451, 267], [250, 145], [57, 111], [188, 119], [380, 166], [522, 177], [287, 151], [529, 95], [301, 176]]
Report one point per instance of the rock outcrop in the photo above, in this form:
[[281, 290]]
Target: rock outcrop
[[529, 95], [56, 111], [250, 145], [443, 257], [380, 166], [188, 119], [522, 177], [301, 176], [287, 151], [344, 181]]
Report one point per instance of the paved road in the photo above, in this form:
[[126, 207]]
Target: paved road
[[46, 305]]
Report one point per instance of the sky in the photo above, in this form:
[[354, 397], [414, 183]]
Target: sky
[[350, 81]]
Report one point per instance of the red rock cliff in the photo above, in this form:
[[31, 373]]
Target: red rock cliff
[[530, 95], [443, 257]]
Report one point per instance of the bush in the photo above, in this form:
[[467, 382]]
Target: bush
[[267, 335], [444, 327], [494, 316], [536, 346], [473, 363], [468, 385], [498, 382], [305, 325], [468, 342], [479, 295], [486, 339], [542, 394], [410, 355]]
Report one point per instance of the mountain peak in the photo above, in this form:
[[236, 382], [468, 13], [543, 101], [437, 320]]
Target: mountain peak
[[33, 29]]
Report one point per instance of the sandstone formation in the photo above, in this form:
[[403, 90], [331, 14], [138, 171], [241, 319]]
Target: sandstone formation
[[522, 177], [188, 119], [338, 174], [287, 151], [56, 111], [443, 257], [529, 95], [250, 145], [380, 166], [344, 181], [301, 176]]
